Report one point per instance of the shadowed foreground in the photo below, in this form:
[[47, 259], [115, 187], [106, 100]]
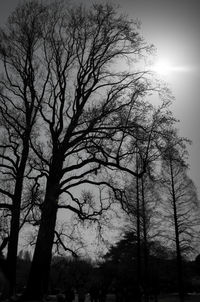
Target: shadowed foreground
[[161, 298], [175, 298]]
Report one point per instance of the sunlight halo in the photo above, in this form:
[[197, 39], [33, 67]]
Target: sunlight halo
[[163, 67]]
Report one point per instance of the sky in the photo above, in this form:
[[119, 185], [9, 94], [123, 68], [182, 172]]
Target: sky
[[173, 26]]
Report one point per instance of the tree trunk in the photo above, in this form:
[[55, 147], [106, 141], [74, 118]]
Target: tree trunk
[[40, 268], [178, 250], [13, 244], [145, 244], [15, 221], [138, 239]]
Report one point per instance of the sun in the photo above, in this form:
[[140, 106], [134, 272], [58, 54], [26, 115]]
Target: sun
[[163, 67]]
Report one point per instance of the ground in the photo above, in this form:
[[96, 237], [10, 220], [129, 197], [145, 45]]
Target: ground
[[161, 298]]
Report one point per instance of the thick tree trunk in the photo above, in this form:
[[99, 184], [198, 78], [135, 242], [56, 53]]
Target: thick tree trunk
[[39, 275], [15, 221], [40, 269]]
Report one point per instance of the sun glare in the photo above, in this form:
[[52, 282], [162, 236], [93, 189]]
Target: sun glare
[[163, 67]]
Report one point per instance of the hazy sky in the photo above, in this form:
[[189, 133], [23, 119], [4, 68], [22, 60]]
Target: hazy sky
[[173, 26]]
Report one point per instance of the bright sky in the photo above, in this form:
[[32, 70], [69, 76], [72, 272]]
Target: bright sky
[[173, 26]]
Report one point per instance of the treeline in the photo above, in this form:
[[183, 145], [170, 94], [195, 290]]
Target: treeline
[[115, 274], [84, 130]]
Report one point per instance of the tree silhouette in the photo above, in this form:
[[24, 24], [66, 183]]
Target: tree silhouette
[[180, 201], [140, 198], [87, 117], [20, 97], [76, 126]]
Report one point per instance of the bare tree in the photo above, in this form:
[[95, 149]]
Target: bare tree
[[180, 202], [86, 117], [140, 199], [141, 203], [22, 87]]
